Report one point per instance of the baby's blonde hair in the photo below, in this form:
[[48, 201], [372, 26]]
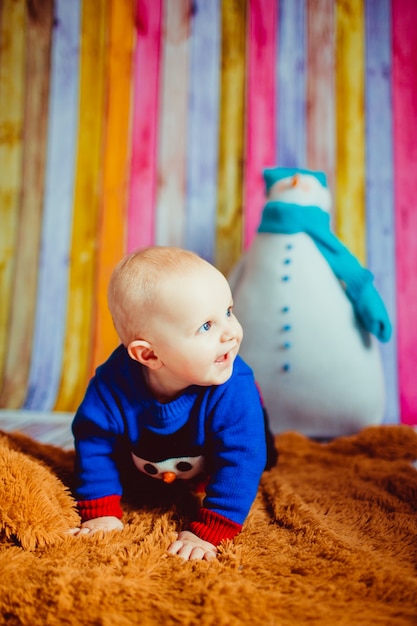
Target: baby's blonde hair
[[134, 285]]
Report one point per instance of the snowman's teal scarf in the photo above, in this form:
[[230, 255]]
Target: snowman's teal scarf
[[283, 218]]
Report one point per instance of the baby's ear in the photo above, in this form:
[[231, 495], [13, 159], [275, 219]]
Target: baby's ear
[[141, 351]]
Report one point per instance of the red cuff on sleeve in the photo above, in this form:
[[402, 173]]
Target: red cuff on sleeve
[[213, 527], [100, 507]]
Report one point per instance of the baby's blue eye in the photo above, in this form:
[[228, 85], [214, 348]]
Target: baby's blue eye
[[229, 312], [205, 327]]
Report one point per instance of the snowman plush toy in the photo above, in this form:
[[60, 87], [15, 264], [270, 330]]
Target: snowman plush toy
[[311, 314]]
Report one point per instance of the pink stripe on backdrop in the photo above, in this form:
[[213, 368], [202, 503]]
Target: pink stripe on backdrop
[[261, 131], [404, 19], [142, 186]]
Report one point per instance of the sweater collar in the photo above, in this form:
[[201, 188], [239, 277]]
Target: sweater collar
[[168, 417]]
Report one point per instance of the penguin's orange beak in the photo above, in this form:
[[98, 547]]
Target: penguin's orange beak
[[168, 477]]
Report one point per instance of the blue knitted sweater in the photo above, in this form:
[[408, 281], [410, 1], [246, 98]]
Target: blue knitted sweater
[[221, 426]]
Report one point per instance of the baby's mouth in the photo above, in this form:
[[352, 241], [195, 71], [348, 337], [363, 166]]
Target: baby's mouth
[[222, 358], [225, 357]]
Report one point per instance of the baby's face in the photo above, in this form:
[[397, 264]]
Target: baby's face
[[195, 332]]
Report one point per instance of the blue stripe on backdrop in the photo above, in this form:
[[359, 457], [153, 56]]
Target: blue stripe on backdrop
[[379, 178], [50, 321], [291, 84], [202, 118]]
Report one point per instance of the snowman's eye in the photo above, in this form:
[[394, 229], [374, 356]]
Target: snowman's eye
[[183, 466], [150, 469]]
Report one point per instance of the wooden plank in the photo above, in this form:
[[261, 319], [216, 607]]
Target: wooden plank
[[111, 233], [170, 211], [52, 428], [144, 134], [38, 47], [202, 124], [49, 332], [12, 81], [380, 228], [404, 19], [291, 84], [261, 106], [229, 232], [350, 126], [76, 362], [320, 88]]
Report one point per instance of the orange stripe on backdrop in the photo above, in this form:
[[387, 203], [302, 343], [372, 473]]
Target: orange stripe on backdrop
[[12, 80], [231, 137], [320, 87], [77, 356], [23, 305], [170, 210], [115, 170], [350, 126]]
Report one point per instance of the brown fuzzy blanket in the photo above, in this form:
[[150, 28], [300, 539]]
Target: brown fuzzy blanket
[[331, 539]]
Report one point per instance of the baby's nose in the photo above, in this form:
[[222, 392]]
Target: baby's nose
[[226, 335], [230, 331]]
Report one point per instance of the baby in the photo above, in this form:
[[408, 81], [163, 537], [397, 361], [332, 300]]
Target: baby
[[173, 403]]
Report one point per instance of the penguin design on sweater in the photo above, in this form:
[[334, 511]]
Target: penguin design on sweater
[[311, 315], [168, 457]]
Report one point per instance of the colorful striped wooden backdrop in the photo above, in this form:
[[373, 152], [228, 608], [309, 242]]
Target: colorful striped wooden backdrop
[[130, 122]]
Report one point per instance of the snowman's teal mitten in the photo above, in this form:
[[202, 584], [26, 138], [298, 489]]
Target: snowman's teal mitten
[[371, 311]]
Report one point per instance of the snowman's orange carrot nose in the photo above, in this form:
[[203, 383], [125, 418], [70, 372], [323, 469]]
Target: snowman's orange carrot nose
[[295, 180], [168, 477]]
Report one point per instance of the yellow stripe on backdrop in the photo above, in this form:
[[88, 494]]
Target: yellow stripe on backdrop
[[12, 81], [23, 305], [115, 169], [231, 135], [76, 365], [170, 210], [350, 126]]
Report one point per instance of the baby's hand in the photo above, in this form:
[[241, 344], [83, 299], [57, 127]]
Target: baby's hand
[[191, 548], [92, 526]]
